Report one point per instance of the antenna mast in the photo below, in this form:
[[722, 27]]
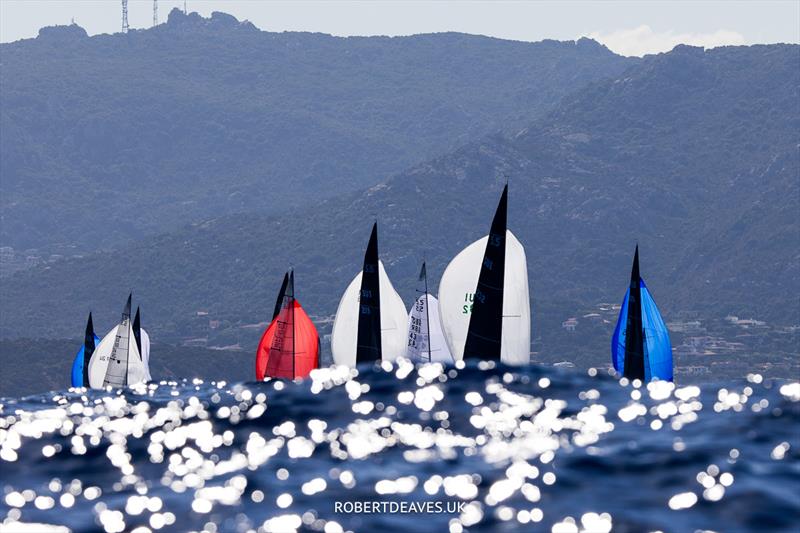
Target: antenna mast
[[124, 16], [155, 13], [185, 12]]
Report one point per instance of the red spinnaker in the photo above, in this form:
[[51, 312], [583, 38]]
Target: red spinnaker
[[289, 347]]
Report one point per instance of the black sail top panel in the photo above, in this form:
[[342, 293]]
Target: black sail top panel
[[88, 349], [634, 332], [486, 321], [137, 332], [279, 301], [368, 345]]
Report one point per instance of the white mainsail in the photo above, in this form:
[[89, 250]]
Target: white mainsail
[[457, 288], [426, 341], [344, 337], [116, 361]]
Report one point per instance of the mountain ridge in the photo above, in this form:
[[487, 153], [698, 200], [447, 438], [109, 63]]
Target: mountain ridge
[[126, 135], [584, 188]]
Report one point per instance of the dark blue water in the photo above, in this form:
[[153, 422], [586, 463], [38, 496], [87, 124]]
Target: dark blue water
[[485, 448]]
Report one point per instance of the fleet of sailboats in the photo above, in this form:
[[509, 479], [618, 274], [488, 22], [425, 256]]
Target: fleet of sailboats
[[482, 312]]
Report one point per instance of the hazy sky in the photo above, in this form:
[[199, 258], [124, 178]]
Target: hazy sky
[[627, 27]]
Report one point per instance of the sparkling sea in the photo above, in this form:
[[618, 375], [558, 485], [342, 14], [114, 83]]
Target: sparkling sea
[[478, 447]]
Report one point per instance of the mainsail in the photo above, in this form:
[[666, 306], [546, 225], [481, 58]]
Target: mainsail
[[640, 346], [116, 360], [484, 335], [368, 345], [117, 369], [289, 347], [80, 365], [371, 320], [484, 300], [426, 342]]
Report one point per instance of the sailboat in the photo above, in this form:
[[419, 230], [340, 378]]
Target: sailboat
[[370, 323], [117, 361], [640, 347], [426, 342], [484, 301], [289, 347], [80, 365]]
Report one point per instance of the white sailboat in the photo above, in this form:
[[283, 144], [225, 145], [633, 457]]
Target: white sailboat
[[117, 361], [426, 342], [503, 332], [370, 323]]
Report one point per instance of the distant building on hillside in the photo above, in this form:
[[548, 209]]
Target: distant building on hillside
[[570, 324]]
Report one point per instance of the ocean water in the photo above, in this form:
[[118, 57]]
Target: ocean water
[[397, 448]]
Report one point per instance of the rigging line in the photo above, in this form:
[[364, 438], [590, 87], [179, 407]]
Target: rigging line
[[427, 315]]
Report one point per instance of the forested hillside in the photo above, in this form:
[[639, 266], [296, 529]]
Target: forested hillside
[[693, 154], [115, 137]]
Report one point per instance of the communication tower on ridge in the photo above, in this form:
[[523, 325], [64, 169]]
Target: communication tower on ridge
[[124, 16], [155, 13], [185, 12]]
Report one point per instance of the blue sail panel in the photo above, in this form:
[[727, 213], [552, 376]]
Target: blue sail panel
[[618, 340], [77, 369], [658, 359], [77, 365]]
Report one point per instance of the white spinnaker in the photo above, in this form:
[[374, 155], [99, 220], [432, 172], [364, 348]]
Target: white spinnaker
[[457, 288], [420, 322], [145, 353], [394, 318], [135, 370]]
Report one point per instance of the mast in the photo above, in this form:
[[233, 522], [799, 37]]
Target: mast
[[368, 343], [291, 311], [427, 314], [88, 349], [486, 321], [634, 333]]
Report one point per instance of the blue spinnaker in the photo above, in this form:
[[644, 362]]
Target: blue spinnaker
[[658, 348], [77, 365]]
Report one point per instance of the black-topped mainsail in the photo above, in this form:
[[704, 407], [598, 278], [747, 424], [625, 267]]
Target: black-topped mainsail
[[634, 336], [486, 321], [281, 293], [88, 349], [368, 344]]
